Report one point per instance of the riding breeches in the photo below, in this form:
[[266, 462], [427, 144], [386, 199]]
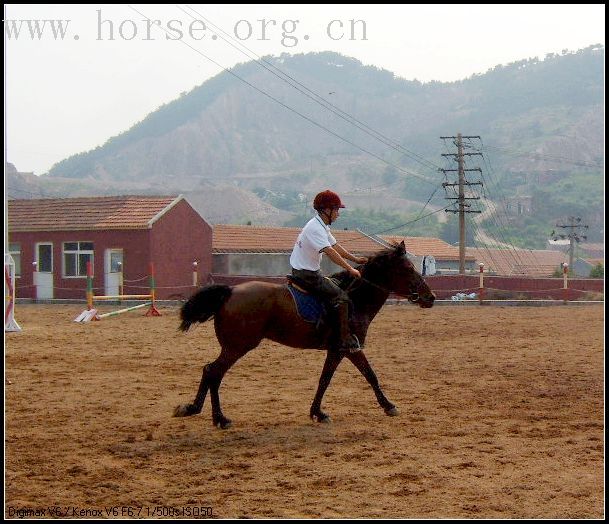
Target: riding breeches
[[321, 286]]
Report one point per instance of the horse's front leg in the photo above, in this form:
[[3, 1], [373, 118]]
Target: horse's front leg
[[333, 359], [187, 410], [360, 361]]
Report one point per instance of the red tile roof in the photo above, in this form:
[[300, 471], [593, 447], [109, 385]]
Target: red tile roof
[[421, 246], [91, 213], [257, 239], [527, 262], [595, 261]]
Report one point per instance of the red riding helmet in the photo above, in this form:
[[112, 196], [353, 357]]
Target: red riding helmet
[[327, 199]]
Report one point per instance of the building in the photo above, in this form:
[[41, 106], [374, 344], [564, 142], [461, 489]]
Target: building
[[265, 251], [519, 262], [52, 240]]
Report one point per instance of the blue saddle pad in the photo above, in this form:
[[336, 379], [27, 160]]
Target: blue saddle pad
[[309, 307]]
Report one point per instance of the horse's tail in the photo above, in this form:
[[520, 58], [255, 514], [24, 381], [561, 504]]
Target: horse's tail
[[204, 304]]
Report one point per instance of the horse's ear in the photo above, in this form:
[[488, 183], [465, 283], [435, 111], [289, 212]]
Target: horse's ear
[[401, 248]]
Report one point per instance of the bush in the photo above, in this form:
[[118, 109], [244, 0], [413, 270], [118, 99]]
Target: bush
[[597, 271]]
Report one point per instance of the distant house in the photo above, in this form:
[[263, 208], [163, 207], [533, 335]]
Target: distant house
[[519, 262], [587, 254], [583, 266], [446, 255], [519, 205], [53, 239], [590, 250], [265, 251]]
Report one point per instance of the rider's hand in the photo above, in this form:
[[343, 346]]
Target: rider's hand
[[355, 273], [361, 260]]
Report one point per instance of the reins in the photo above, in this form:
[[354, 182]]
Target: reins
[[384, 289]]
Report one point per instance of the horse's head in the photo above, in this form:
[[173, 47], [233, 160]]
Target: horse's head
[[400, 276]]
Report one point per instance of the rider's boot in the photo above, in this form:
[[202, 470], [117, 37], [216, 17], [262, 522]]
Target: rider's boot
[[345, 342]]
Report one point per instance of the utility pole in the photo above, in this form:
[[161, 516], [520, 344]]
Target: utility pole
[[574, 224], [461, 198]]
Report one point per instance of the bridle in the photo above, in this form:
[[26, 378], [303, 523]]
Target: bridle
[[412, 296]]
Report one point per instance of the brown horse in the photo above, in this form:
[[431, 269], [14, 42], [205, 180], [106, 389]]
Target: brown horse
[[247, 313]]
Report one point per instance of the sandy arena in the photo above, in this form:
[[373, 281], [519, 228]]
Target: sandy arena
[[501, 416]]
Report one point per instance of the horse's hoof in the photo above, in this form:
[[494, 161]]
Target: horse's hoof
[[392, 412], [183, 410], [223, 424], [322, 418]]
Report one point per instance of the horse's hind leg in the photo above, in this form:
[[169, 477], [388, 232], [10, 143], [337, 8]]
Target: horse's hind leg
[[186, 410], [215, 374], [333, 359], [360, 361]]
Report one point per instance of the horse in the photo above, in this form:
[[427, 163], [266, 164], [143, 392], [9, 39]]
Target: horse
[[246, 313]]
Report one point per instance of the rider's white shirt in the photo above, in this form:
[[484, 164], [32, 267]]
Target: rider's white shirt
[[314, 237]]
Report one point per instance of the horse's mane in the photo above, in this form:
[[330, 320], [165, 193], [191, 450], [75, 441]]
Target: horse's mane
[[344, 279]]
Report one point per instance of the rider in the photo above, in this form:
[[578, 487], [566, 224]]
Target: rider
[[315, 239]]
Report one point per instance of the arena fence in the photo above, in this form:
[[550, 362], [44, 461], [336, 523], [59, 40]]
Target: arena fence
[[485, 289]]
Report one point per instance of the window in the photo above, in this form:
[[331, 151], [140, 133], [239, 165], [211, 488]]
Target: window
[[75, 258], [45, 258], [14, 250], [116, 261]]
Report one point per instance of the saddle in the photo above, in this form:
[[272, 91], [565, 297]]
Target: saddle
[[314, 309], [310, 308]]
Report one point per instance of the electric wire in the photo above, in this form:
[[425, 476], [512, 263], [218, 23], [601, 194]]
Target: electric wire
[[282, 75], [289, 108]]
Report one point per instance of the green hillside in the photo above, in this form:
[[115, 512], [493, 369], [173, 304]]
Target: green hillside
[[541, 123]]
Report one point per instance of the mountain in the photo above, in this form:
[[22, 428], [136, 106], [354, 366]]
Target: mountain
[[541, 124]]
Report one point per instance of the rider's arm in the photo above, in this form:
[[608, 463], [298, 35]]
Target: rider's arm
[[345, 254], [335, 257]]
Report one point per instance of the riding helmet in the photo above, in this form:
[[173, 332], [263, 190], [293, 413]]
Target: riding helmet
[[327, 199]]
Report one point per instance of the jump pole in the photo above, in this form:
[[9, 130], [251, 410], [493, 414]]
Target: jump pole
[[152, 310], [112, 313], [481, 290], [90, 313], [10, 324]]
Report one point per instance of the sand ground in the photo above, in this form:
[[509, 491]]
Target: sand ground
[[501, 416]]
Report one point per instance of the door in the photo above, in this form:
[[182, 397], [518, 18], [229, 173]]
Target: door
[[43, 272], [428, 265], [113, 272]]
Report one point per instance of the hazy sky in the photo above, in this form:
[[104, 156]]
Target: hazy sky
[[68, 93]]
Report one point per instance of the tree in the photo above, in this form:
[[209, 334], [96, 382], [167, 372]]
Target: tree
[[597, 271]]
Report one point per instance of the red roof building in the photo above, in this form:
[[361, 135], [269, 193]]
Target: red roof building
[[519, 262], [255, 250], [52, 240]]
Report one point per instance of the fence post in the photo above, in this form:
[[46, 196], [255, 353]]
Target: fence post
[[195, 274], [481, 290], [35, 278], [565, 273], [120, 280]]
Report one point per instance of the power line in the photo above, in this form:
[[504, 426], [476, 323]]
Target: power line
[[574, 225], [312, 121], [516, 253], [282, 75], [308, 119], [459, 157]]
